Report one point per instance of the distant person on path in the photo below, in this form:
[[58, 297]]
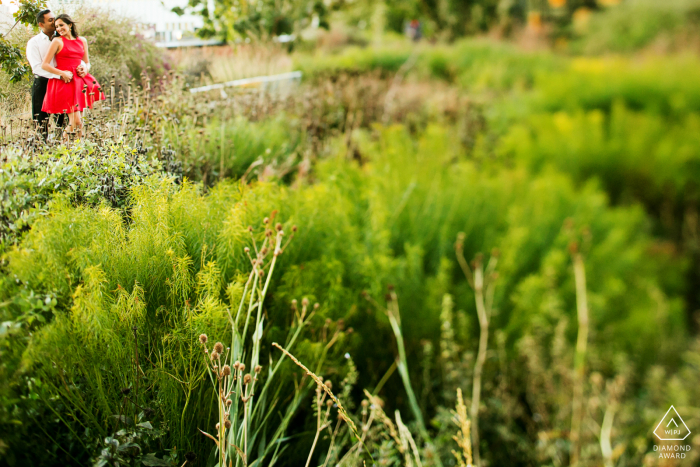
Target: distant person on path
[[413, 30], [37, 47], [73, 92]]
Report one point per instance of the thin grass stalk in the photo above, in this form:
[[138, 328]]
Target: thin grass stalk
[[580, 358], [479, 279], [395, 321]]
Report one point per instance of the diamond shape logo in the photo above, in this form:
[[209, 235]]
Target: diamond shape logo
[[672, 427]]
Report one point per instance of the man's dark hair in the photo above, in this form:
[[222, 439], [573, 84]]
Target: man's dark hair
[[40, 16]]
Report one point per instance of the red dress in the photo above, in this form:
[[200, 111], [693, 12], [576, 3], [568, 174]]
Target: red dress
[[64, 97]]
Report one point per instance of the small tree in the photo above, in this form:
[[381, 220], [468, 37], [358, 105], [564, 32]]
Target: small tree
[[12, 60]]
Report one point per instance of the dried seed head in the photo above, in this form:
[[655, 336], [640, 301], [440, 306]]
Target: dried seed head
[[278, 227], [203, 338], [328, 384], [217, 427], [219, 348], [294, 228], [241, 367], [266, 220], [329, 402], [214, 356], [316, 306], [226, 370], [258, 368], [237, 364], [246, 249], [304, 301], [247, 379], [229, 402], [294, 303], [250, 228], [365, 403], [227, 424]]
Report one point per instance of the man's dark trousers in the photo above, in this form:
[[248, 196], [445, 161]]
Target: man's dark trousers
[[41, 119]]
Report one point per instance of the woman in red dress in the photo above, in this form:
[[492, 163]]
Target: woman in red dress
[[72, 93]]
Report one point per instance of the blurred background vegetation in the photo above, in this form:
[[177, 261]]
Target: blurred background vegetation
[[551, 133]]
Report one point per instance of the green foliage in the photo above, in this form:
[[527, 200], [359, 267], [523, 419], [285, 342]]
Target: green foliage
[[263, 20], [234, 144], [127, 446], [12, 59], [84, 173], [637, 23], [28, 11], [475, 64]]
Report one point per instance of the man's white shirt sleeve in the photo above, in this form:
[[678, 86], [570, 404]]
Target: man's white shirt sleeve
[[37, 48]]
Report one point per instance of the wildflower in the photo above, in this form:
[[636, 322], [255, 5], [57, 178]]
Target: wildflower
[[247, 379], [219, 348], [203, 338], [226, 370]]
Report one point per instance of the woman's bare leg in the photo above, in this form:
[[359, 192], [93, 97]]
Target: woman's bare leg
[[71, 125], [79, 124]]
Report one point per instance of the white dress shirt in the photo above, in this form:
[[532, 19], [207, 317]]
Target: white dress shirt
[[37, 48]]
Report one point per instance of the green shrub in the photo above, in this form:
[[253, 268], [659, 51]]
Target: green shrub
[[84, 173]]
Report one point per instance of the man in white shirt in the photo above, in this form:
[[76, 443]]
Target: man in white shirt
[[37, 47]]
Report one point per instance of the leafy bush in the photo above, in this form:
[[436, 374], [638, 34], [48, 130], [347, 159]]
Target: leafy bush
[[84, 173]]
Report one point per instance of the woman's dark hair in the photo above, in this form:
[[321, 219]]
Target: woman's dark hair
[[40, 16], [69, 21]]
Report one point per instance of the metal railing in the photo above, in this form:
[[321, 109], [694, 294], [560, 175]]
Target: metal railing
[[257, 81]]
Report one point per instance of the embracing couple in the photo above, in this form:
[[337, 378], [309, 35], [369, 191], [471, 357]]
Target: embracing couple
[[61, 64]]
